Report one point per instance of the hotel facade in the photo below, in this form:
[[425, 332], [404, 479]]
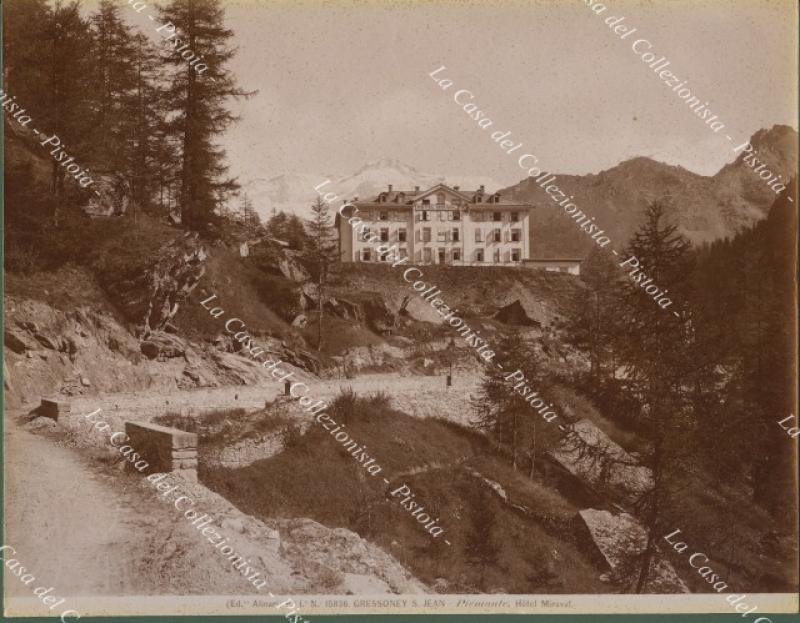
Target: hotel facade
[[441, 225]]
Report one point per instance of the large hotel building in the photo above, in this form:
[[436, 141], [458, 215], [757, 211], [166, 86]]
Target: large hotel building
[[441, 225]]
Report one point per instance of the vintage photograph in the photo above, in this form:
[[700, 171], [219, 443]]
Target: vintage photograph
[[399, 307]]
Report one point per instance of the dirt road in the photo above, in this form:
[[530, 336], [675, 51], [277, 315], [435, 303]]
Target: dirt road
[[420, 396], [90, 530], [87, 545]]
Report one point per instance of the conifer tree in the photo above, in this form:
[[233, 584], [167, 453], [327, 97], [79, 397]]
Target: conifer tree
[[320, 254], [276, 225], [25, 71], [654, 350], [503, 412], [200, 87], [250, 218], [150, 156], [66, 48], [112, 84], [591, 323]]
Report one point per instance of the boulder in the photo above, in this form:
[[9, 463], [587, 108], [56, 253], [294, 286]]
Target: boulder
[[149, 349], [300, 321], [515, 314], [169, 345], [343, 308], [17, 341], [291, 268], [47, 341], [41, 423]]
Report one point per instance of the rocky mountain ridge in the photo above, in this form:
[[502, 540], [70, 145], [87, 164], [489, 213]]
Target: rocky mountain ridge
[[704, 207]]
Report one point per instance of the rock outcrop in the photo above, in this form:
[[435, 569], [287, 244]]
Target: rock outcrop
[[617, 542], [150, 299]]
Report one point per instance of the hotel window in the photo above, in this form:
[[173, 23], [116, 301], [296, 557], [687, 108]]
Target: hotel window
[[455, 235], [456, 215], [441, 236], [401, 235], [426, 234], [515, 255], [478, 236], [456, 255], [383, 257], [440, 199], [496, 256], [384, 234], [366, 234], [384, 216], [442, 255], [514, 217], [516, 235], [426, 202], [497, 236], [426, 256], [403, 252], [426, 216], [497, 216], [479, 255], [365, 255]]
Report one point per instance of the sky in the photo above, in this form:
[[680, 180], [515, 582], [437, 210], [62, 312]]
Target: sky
[[341, 84]]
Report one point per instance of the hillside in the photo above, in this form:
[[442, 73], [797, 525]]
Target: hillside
[[705, 207], [526, 555]]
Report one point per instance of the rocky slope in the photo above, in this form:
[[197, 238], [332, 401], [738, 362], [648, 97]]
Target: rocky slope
[[704, 207]]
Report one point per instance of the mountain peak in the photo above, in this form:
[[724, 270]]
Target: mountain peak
[[388, 163]]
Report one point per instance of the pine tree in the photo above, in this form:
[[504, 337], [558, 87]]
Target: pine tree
[[200, 86], [321, 254]]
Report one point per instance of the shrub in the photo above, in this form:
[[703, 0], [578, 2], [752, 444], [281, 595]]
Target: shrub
[[278, 294], [291, 436]]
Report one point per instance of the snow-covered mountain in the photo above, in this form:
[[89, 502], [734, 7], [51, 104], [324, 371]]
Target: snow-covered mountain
[[294, 192]]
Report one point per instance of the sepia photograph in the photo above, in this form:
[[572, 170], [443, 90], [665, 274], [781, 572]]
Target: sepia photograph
[[400, 307]]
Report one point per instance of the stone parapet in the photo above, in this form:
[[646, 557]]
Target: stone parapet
[[165, 449], [52, 408]]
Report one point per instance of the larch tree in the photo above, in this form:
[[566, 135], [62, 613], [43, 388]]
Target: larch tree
[[653, 349], [150, 154], [112, 82], [66, 48], [503, 412], [195, 44]]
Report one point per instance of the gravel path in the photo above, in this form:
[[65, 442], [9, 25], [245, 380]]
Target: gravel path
[[420, 396]]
